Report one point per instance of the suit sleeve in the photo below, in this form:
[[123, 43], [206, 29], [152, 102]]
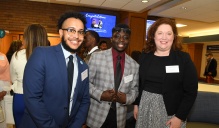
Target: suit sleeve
[[190, 87], [13, 72], [34, 76], [95, 93]]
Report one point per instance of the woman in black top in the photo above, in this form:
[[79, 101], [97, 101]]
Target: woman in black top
[[168, 80]]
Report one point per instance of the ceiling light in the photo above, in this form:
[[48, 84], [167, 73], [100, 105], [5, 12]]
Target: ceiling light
[[144, 1], [184, 8], [180, 25]]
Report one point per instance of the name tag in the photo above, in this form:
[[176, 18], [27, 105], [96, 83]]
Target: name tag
[[172, 69], [128, 78], [84, 75]]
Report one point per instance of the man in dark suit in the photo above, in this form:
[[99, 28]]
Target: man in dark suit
[[48, 101], [211, 67]]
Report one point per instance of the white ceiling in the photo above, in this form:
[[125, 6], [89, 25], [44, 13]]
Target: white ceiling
[[200, 16]]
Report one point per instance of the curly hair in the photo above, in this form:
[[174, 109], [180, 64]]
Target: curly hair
[[150, 43], [71, 14]]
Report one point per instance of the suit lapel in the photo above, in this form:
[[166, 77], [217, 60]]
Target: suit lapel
[[127, 67], [62, 68], [109, 63], [79, 82]]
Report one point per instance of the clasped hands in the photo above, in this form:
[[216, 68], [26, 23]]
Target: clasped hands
[[113, 96]]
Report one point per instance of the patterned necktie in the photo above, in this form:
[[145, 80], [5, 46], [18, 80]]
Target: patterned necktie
[[70, 74]]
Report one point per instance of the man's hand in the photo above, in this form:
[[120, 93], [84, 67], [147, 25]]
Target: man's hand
[[108, 95], [121, 97]]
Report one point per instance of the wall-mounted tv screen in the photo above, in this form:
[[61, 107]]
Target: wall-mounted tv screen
[[100, 23], [148, 24]]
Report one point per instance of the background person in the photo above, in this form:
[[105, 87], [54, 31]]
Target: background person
[[15, 46], [103, 45], [5, 83], [91, 40], [168, 80], [54, 98], [136, 55], [109, 98], [18, 63], [211, 67]]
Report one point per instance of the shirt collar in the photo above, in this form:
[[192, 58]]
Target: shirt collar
[[67, 53], [115, 54], [93, 49]]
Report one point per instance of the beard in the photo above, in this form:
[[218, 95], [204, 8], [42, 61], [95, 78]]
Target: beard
[[66, 47]]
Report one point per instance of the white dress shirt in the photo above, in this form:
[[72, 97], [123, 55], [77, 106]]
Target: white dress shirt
[[92, 50], [75, 76]]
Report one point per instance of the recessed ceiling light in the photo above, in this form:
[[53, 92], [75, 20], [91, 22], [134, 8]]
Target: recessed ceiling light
[[180, 25], [184, 8], [144, 1]]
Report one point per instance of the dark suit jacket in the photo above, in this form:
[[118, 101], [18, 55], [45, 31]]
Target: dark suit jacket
[[179, 90], [211, 68], [46, 91]]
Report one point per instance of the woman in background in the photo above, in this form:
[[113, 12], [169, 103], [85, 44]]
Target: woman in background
[[15, 46], [168, 80], [4, 85], [34, 35]]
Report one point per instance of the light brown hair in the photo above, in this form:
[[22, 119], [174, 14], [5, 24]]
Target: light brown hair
[[34, 35]]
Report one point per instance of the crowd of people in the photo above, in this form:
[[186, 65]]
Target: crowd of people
[[54, 87]]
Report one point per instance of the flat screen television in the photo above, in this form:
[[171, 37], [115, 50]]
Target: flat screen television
[[148, 24], [101, 23]]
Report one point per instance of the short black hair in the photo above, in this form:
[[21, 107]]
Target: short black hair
[[102, 42], [71, 14], [209, 54], [95, 35], [121, 26]]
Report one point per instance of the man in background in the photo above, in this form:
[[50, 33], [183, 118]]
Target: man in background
[[103, 45], [211, 67], [91, 40]]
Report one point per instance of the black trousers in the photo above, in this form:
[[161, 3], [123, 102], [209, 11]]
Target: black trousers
[[111, 120]]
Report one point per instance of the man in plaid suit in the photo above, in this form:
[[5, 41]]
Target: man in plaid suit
[[102, 65]]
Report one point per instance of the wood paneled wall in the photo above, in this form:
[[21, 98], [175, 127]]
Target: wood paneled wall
[[137, 23], [195, 51]]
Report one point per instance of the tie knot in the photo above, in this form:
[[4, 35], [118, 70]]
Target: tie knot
[[70, 58], [119, 57]]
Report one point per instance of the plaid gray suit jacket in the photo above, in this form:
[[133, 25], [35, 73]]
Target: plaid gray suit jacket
[[101, 78]]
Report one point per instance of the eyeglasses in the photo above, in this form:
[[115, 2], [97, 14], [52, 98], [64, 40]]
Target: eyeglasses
[[72, 31], [118, 29]]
